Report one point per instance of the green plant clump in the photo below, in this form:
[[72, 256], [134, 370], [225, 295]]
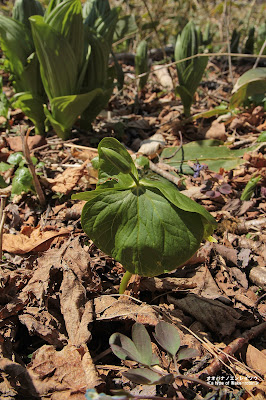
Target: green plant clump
[[143, 222], [59, 60], [139, 349]]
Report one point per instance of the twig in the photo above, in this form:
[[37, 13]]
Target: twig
[[201, 55], [260, 54], [164, 174], [26, 152], [77, 146], [177, 149], [256, 224], [229, 350], [2, 221]]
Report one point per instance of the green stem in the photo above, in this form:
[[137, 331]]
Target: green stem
[[124, 282], [134, 178]]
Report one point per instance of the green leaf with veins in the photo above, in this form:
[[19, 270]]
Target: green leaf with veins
[[147, 225], [22, 181]]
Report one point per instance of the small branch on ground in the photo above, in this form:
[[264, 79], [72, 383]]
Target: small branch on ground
[[177, 149], [231, 349], [26, 153], [174, 179]]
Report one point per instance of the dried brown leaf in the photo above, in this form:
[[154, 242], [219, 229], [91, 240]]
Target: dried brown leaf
[[64, 183], [256, 360], [42, 323], [32, 239], [216, 131], [216, 316], [108, 308], [15, 379], [15, 142], [152, 146], [58, 290], [63, 375]]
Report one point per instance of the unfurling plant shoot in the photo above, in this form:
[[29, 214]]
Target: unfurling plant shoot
[[142, 63], [189, 72], [145, 223]]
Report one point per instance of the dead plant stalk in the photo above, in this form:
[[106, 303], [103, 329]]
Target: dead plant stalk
[[26, 153]]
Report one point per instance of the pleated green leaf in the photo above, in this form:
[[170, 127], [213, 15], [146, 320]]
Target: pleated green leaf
[[59, 68], [30, 78], [96, 75], [16, 43], [189, 72], [93, 9], [23, 9], [66, 109], [66, 18], [32, 106], [96, 106], [105, 26]]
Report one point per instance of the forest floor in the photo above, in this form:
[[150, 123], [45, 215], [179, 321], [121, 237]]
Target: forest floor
[[59, 301]]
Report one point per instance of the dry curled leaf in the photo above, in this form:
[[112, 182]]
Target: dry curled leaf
[[108, 308], [216, 316], [15, 142], [63, 375], [152, 146], [216, 131], [256, 360], [64, 183], [31, 239]]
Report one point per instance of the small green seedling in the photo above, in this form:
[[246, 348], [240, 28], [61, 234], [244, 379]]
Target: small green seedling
[[145, 223], [250, 188], [139, 349]]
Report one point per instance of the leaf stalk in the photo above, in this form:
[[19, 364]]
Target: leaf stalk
[[124, 282]]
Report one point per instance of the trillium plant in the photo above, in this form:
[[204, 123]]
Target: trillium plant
[[143, 222]]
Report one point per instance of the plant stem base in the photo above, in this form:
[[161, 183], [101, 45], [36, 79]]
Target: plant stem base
[[124, 282]]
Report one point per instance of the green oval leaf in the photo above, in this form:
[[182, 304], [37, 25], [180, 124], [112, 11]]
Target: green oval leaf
[[187, 353], [116, 159], [250, 83], [168, 337], [15, 158], [141, 229], [22, 181], [142, 342], [123, 347], [262, 137]]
